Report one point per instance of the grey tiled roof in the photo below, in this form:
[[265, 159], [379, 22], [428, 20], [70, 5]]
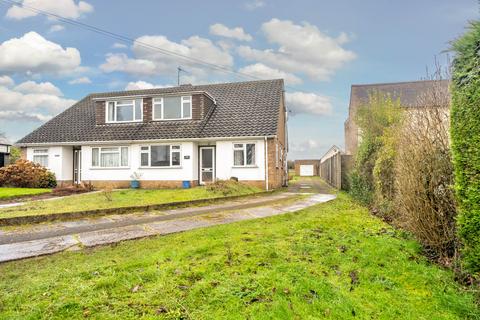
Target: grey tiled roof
[[409, 93], [243, 109]]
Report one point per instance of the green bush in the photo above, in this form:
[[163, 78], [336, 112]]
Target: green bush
[[371, 181], [465, 133], [26, 174], [384, 174]]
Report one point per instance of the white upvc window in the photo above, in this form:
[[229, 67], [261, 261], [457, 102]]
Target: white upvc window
[[243, 154], [127, 110], [161, 156], [172, 108], [110, 157], [40, 156]]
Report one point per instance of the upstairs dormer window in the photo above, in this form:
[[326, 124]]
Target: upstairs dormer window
[[124, 111], [172, 108]]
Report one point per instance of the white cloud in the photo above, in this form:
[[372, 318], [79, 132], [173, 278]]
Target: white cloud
[[303, 146], [301, 49], [139, 85], [56, 28], [118, 45], [237, 33], [23, 116], [31, 101], [65, 8], [310, 103], [261, 71], [151, 62], [81, 80], [33, 53], [6, 81], [254, 4], [193, 47], [121, 62], [40, 88]]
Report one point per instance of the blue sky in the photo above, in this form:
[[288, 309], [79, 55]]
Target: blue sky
[[320, 47]]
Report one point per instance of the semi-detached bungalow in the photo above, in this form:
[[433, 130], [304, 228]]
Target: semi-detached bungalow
[[189, 133]]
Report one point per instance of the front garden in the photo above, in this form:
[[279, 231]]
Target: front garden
[[108, 199], [9, 193], [332, 260]]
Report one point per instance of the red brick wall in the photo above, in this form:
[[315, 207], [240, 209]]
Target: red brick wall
[[277, 169]]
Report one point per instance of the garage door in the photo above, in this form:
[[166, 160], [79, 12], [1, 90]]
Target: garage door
[[306, 170]]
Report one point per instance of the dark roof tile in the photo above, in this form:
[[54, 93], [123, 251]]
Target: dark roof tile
[[243, 109]]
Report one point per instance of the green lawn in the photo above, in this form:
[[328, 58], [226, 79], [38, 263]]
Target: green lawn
[[6, 193], [333, 260], [120, 198]]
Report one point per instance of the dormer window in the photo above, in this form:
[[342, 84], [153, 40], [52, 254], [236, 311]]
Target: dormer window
[[124, 111], [172, 108]]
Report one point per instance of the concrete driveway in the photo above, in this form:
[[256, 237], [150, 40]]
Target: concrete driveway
[[35, 240], [310, 185]]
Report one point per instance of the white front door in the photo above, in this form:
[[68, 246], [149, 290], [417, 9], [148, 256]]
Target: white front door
[[77, 166], [207, 165], [306, 170]]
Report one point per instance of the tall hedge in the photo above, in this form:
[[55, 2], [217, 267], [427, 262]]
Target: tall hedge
[[465, 133]]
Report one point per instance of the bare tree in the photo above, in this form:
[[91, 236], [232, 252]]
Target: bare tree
[[424, 172]]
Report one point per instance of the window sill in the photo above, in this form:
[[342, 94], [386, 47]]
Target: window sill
[[109, 168], [178, 119], [244, 167], [123, 122], [176, 167]]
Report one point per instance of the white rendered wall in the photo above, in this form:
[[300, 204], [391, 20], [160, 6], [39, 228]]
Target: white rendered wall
[[187, 170], [60, 161], [226, 169]]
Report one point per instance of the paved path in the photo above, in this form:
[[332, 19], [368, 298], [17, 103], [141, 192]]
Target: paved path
[[30, 241]]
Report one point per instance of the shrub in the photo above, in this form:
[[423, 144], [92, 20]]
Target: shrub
[[26, 174], [380, 115], [229, 187], [424, 181], [465, 131], [15, 154], [384, 174]]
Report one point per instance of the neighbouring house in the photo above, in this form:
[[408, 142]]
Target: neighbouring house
[[195, 133], [414, 96], [307, 167], [411, 94], [4, 152]]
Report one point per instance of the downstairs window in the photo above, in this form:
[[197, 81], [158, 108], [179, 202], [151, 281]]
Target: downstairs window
[[110, 157], [243, 154], [160, 156], [40, 156]]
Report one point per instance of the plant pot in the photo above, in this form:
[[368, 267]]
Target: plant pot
[[134, 184]]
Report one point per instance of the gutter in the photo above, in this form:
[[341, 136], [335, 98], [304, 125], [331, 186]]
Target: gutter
[[120, 142]]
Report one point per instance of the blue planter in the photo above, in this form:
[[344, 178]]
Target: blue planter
[[134, 184], [186, 184]]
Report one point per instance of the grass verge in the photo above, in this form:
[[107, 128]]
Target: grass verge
[[332, 260], [8, 193], [119, 199]]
